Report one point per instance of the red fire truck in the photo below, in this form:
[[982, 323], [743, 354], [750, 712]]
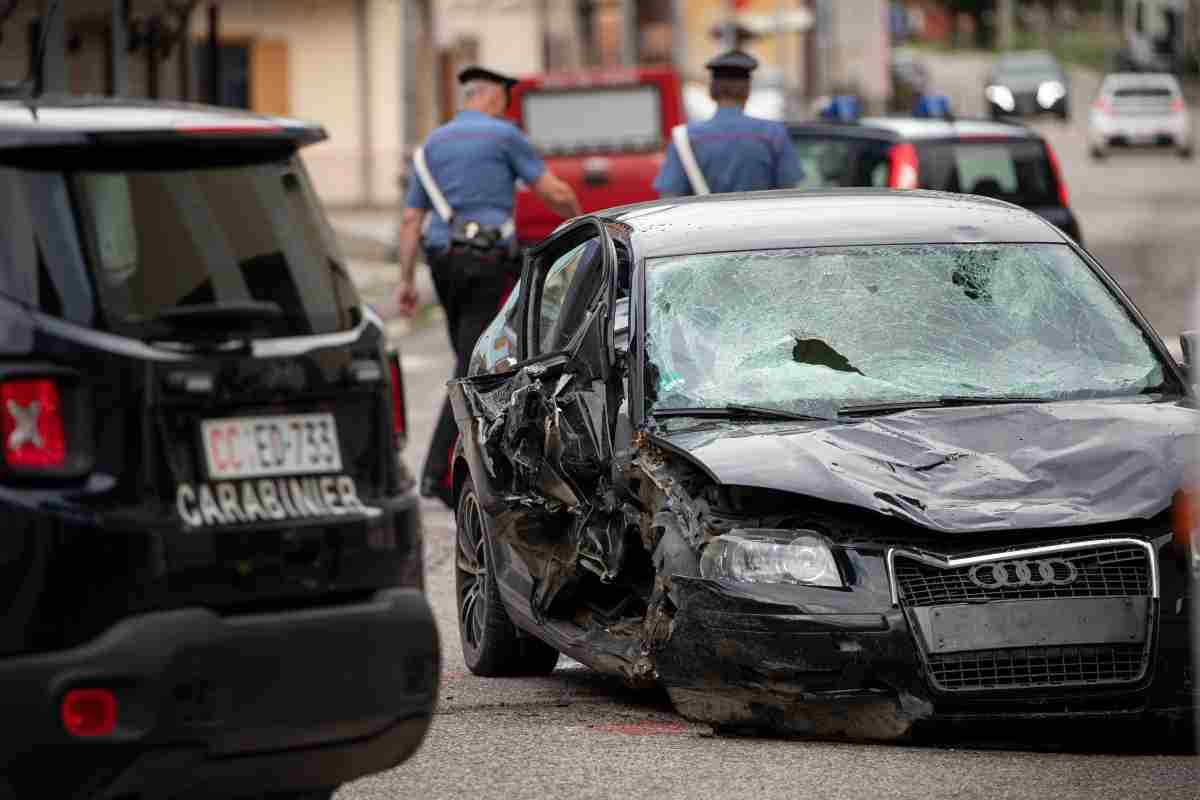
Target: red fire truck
[[603, 131]]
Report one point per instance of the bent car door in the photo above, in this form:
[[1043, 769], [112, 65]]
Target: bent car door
[[538, 438]]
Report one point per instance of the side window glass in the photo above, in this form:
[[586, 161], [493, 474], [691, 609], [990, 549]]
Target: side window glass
[[568, 286], [41, 262], [18, 247]]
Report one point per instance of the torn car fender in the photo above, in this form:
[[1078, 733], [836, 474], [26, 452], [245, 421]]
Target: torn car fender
[[471, 435]]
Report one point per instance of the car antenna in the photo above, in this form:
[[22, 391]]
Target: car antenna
[[36, 77]]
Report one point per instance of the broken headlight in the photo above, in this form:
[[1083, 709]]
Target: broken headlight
[[772, 556]]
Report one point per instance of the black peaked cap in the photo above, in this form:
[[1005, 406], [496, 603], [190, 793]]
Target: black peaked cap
[[733, 64], [477, 73]]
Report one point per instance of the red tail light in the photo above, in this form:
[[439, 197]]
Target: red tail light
[[88, 713], [31, 424], [1102, 106], [1177, 105], [903, 172], [1058, 178], [399, 412]]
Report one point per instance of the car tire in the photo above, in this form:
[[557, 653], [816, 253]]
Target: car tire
[[1186, 152], [315, 794], [491, 644], [1096, 153]]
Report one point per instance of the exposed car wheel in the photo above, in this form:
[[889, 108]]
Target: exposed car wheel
[[1186, 152], [1096, 153], [491, 644]]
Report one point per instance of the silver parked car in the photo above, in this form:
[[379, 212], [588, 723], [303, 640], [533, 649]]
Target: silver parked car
[[1140, 109]]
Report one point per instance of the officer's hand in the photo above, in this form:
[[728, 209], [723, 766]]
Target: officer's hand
[[405, 297]]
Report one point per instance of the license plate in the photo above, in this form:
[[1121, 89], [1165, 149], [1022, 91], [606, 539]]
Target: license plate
[[285, 444], [1056, 622]]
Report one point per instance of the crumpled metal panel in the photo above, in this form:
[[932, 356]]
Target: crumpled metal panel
[[967, 469]]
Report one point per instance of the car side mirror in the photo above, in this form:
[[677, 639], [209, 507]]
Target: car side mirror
[[621, 325]]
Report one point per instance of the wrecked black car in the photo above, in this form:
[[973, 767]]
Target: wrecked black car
[[828, 463]]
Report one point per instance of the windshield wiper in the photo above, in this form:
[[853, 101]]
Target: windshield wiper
[[945, 401], [738, 411]]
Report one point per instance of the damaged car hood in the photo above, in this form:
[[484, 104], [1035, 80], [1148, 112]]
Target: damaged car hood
[[965, 469]]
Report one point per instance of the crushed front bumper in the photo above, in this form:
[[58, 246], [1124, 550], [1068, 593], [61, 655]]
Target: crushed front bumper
[[225, 706], [862, 663]]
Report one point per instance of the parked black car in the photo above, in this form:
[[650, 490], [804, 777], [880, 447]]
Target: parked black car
[[828, 462], [1027, 83], [1007, 161], [210, 568]]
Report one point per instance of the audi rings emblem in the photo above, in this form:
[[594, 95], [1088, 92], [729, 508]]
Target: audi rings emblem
[[1044, 572]]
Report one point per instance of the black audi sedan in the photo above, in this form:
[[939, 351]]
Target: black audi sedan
[[829, 463], [210, 563]]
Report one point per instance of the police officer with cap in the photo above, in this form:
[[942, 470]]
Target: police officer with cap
[[731, 152], [464, 174]]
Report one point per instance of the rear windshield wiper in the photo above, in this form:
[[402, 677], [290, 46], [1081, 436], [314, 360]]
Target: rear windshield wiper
[[207, 327], [946, 401], [738, 411], [220, 315]]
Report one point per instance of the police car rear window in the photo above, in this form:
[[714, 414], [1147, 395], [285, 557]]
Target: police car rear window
[[1017, 170], [126, 249], [165, 240]]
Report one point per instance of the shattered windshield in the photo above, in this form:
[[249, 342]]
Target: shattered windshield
[[818, 329]]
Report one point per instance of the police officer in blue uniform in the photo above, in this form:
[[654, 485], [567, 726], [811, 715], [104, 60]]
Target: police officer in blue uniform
[[464, 174], [733, 152]]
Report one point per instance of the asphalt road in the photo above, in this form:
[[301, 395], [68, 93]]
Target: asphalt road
[[579, 735]]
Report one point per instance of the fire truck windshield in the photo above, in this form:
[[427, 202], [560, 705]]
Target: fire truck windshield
[[593, 119]]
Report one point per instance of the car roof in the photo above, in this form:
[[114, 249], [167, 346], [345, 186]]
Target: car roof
[[72, 121], [918, 128], [792, 218]]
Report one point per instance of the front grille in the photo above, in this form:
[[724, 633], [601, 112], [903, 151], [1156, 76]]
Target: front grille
[[1119, 570], [1038, 667]]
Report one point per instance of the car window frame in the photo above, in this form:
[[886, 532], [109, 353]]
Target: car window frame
[[538, 262]]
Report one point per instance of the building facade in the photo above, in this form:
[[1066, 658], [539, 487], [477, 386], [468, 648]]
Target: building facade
[[338, 62]]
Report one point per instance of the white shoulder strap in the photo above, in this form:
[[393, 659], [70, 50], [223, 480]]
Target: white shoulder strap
[[431, 188], [683, 146]]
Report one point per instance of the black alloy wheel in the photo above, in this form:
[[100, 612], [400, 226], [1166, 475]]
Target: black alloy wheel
[[491, 644]]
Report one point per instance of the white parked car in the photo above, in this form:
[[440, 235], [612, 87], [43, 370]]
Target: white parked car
[[1140, 108]]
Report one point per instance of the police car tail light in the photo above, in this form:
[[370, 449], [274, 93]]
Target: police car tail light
[[399, 412], [903, 173], [1177, 105], [1102, 106], [89, 713], [1058, 178], [31, 423]]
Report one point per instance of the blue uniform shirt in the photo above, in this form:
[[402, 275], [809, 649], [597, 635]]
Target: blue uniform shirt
[[736, 153], [475, 160]]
